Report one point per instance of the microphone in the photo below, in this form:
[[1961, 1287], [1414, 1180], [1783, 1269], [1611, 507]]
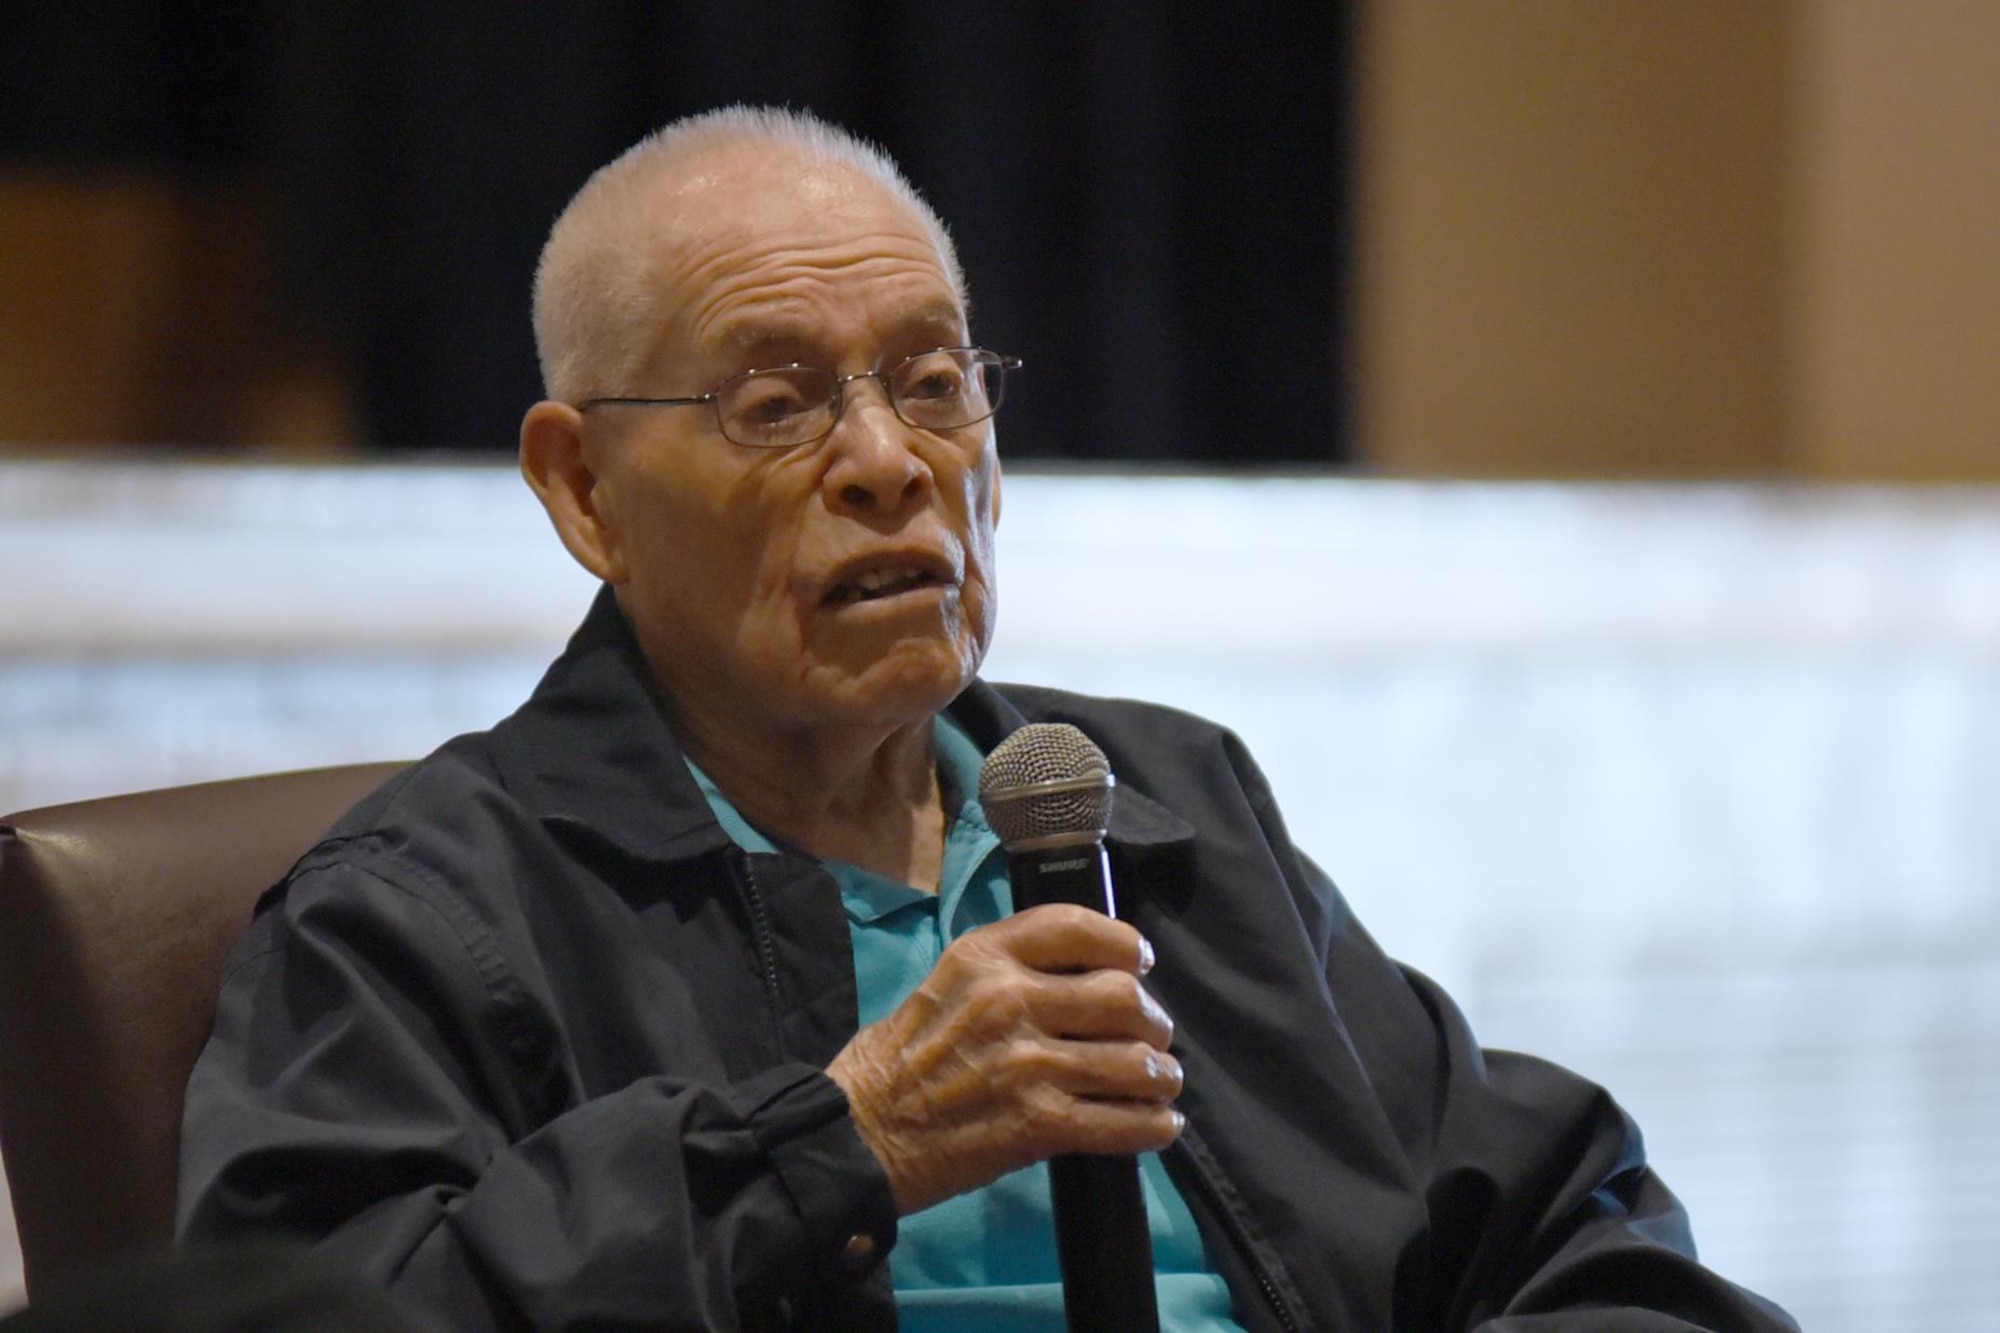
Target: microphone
[[1046, 791]]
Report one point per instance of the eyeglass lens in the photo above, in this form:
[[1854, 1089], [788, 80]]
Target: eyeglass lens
[[937, 390]]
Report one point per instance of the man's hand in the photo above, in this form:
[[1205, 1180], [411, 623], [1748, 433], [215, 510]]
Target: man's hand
[[1031, 1037]]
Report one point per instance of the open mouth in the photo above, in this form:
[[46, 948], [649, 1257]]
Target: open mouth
[[876, 584]]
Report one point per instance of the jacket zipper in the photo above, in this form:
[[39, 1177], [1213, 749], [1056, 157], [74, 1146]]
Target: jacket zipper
[[767, 952], [767, 959], [1202, 1164]]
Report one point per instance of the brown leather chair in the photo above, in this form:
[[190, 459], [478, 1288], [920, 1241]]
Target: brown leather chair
[[115, 915]]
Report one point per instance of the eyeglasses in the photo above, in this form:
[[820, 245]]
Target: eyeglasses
[[785, 406]]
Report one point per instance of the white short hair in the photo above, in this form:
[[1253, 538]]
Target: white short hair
[[596, 302]]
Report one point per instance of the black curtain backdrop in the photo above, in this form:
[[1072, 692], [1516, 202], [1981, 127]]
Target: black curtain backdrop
[[1150, 200]]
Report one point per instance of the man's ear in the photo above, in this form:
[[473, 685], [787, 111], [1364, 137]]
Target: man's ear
[[561, 473]]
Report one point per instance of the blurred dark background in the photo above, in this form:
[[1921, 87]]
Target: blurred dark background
[[1151, 202]]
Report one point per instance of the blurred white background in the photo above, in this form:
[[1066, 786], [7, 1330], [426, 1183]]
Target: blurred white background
[[1688, 787]]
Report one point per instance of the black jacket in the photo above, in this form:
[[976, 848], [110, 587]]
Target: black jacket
[[530, 1040]]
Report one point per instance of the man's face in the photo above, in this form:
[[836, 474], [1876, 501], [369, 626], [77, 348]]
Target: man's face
[[848, 581]]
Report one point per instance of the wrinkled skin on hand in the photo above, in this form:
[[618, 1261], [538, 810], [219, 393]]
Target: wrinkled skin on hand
[[1032, 1037]]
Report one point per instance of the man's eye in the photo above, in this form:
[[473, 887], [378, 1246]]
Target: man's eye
[[769, 405], [933, 379]]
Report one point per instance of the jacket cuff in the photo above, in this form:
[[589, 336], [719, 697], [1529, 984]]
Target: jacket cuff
[[837, 1186]]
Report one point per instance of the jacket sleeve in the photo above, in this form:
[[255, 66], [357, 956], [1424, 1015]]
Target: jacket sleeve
[[1542, 1215], [379, 1081]]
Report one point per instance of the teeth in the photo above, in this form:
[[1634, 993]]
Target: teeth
[[878, 579]]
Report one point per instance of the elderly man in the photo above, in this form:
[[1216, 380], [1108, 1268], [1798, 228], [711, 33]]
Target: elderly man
[[690, 997]]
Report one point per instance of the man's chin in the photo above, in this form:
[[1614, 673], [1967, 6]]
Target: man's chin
[[908, 683]]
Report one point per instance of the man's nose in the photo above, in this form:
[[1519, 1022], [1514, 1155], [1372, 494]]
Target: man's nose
[[875, 469]]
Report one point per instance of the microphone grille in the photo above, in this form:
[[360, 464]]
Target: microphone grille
[[1045, 780]]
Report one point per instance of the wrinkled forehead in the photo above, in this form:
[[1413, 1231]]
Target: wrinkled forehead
[[739, 213]]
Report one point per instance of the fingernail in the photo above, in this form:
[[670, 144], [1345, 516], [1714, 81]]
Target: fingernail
[[1145, 955]]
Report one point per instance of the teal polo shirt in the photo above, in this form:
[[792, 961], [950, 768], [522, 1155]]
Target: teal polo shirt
[[984, 1261]]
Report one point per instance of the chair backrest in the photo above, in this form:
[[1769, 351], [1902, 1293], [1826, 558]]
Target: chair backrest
[[115, 915]]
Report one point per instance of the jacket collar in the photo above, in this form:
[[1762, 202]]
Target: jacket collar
[[591, 752]]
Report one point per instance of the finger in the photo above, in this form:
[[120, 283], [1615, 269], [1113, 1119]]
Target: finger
[[1120, 1072], [1062, 937], [1031, 1070], [1112, 1127], [1100, 1005]]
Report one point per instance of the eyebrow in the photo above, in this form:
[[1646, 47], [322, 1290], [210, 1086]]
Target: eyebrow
[[754, 335], [941, 319]]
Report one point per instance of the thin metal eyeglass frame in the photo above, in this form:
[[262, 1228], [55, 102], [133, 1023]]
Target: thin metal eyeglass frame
[[838, 404]]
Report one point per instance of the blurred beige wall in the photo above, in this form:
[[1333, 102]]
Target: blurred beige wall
[[1707, 237], [1596, 237], [1898, 254], [137, 308]]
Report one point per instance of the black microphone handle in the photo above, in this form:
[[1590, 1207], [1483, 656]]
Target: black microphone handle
[[1102, 1240], [1104, 1245]]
